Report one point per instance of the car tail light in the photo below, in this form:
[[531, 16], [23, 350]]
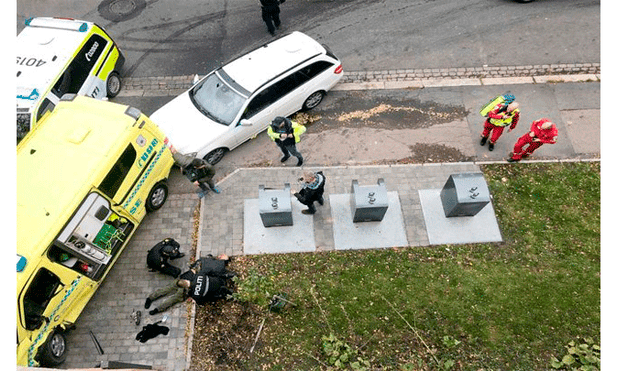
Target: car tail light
[[338, 70]]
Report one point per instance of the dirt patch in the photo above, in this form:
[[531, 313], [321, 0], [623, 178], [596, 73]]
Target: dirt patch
[[427, 153], [224, 334], [381, 113]]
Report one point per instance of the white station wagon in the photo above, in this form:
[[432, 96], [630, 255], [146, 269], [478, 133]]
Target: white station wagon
[[240, 99]]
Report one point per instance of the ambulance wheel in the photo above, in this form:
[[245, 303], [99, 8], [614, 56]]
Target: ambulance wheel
[[114, 84], [54, 352], [313, 100], [157, 197], [215, 156]]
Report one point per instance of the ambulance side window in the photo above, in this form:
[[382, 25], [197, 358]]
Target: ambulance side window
[[43, 287], [112, 182], [81, 66]]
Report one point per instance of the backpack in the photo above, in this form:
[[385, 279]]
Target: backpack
[[504, 99]]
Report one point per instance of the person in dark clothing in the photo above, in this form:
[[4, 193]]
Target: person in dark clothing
[[312, 191], [271, 14], [197, 170], [204, 288], [159, 255], [205, 281]]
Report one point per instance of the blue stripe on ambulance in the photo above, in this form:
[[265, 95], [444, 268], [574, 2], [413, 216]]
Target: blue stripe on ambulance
[[141, 182]]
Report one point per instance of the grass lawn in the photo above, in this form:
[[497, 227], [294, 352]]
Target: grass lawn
[[499, 306]]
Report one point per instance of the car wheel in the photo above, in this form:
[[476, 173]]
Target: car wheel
[[114, 84], [313, 100], [54, 351], [215, 156], [157, 197]]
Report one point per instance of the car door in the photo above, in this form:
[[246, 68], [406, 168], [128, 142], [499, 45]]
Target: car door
[[307, 83], [77, 78], [50, 295], [271, 102]]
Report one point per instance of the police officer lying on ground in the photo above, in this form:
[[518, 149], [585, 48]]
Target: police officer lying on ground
[[207, 280], [159, 255]]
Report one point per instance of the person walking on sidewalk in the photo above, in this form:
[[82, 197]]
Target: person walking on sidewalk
[[312, 190], [542, 131], [501, 116], [271, 14], [286, 134], [197, 170]]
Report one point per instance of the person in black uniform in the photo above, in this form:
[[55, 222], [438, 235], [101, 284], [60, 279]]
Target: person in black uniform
[[271, 14], [207, 280], [159, 255]]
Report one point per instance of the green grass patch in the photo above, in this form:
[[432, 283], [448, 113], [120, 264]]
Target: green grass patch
[[503, 306]]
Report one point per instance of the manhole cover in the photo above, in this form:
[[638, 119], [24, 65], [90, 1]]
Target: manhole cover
[[121, 10], [122, 7]]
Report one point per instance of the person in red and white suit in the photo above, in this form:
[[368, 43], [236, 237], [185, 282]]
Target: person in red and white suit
[[542, 131]]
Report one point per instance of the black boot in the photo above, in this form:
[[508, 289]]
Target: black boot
[[483, 141], [490, 146]]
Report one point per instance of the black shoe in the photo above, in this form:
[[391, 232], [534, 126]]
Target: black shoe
[[308, 212], [483, 141], [299, 163], [511, 159], [284, 159], [147, 303], [153, 311], [490, 146]]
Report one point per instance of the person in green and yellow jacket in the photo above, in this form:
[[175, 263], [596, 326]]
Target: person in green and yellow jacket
[[286, 134], [502, 116]]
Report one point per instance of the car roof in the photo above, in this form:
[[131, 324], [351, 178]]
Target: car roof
[[257, 67], [45, 46]]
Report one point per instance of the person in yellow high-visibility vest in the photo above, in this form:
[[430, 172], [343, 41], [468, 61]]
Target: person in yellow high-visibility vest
[[500, 117], [286, 134]]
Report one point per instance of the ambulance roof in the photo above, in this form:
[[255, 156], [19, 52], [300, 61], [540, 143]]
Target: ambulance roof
[[44, 47], [257, 67], [57, 163]]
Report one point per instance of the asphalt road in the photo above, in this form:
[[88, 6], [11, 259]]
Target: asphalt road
[[185, 37]]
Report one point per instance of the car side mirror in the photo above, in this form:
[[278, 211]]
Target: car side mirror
[[196, 78], [245, 122]]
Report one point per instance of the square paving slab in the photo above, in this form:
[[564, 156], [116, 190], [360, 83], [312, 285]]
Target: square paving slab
[[283, 239], [389, 232], [482, 227]]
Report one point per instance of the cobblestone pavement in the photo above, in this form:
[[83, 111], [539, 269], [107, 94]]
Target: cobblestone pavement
[[125, 289], [220, 221], [400, 79]]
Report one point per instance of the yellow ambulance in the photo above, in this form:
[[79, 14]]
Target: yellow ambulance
[[86, 177], [58, 56]]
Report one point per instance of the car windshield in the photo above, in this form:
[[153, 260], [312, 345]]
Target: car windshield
[[217, 99]]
